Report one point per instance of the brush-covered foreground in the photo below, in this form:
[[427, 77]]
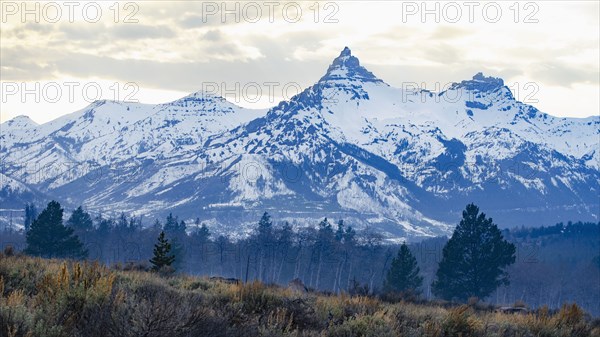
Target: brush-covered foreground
[[41, 297]]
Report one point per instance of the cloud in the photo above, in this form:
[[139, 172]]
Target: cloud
[[442, 53], [171, 48], [139, 31], [187, 77], [213, 35], [447, 32], [23, 64], [83, 31], [194, 21], [562, 74]]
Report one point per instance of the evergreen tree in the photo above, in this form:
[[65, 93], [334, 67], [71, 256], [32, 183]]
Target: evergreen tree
[[197, 257], [201, 235], [176, 231], [199, 238], [339, 233], [349, 236], [48, 237], [103, 227], [157, 226], [179, 252], [265, 246], [162, 253], [326, 234], [473, 259], [182, 227], [324, 248], [171, 220], [173, 226], [403, 275], [30, 215], [135, 223], [222, 242], [122, 223], [285, 235], [265, 229], [80, 221]]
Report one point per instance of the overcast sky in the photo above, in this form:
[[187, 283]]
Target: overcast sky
[[158, 51]]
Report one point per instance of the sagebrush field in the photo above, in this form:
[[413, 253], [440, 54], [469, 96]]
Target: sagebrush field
[[42, 297]]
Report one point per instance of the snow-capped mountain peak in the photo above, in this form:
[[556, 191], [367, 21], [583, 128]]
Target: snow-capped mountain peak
[[202, 96], [481, 83], [203, 103], [347, 67], [20, 122]]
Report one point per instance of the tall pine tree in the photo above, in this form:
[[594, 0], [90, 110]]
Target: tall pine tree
[[80, 221], [264, 247], [339, 233], [474, 259], [176, 231], [30, 215], [201, 235], [265, 229], [173, 226], [48, 237], [162, 253], [403, 275]]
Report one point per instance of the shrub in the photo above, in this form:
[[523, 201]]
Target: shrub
[[539, 322], [257, 298], [431, 329], [363, 326], [570, 321], [356, 289], [413, 320], [459, 323], [155, 310], [473, 301], [278, 323], [166, 271], [520, 304], [338, 308], [74, 297], [198, 285], [9, 251], [303, 314], [131, 266], [15, 319]]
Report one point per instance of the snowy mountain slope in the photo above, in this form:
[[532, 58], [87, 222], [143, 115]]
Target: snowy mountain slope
[[19, 124], [350, 146], [352, 121], [107, 132], [14, 194]]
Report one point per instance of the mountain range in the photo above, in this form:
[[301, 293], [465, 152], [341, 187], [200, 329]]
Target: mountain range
[[402, 162]]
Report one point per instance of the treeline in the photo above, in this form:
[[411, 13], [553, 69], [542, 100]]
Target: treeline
[[331, 256], [334, 257], [559, 231]]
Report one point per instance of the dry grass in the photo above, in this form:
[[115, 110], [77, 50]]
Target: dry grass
[[63, 298]]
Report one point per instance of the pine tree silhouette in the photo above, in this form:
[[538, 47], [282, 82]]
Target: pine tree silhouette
[[474, 259], [162, 250], [48, 237], [403, 275]]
